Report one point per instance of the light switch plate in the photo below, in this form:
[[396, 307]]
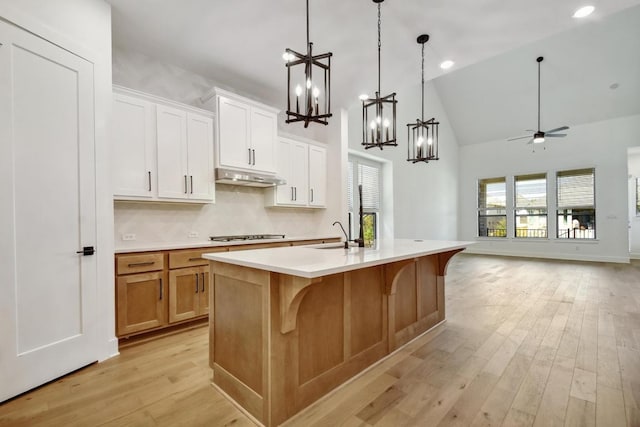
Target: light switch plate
[[193, 234]]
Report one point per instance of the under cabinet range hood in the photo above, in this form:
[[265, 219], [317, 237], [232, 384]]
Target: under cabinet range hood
[[250, 179]]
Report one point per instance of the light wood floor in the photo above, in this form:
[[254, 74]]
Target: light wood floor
[[526, 343]]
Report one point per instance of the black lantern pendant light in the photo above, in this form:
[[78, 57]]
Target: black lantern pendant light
[[304, 74], [379, 113], [422, 135]]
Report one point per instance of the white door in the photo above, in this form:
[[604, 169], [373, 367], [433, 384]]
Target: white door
[[47, 212], [317, 176], [133, 143], [233, 134], [173, 179], [200, 157], [263, 140]]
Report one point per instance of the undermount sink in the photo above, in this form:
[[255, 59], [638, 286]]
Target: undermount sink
[[336, 246]]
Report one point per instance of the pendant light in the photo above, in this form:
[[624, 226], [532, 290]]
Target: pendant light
[[306, 75], [423, 134], [379, 113]]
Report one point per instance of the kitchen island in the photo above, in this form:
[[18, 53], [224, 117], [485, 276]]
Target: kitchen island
[[288, 325]]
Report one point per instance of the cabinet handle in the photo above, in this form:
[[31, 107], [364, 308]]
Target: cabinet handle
[[161, 291], [185, 184], [195, 259], [254, 157], [312, 194], [191, 176], [141, 264], [149, 178], [202, 282], [292, 194], [249, 155], [197, 284], [295, 193]]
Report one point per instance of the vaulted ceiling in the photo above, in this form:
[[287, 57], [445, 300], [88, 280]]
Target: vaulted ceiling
[[493, 43]]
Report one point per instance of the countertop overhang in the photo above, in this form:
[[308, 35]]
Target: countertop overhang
[[312, 261]]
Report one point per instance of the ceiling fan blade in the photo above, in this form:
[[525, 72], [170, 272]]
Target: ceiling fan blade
[[555, 135], [530, 130], [519, 137], [530, 141], [557, 129]]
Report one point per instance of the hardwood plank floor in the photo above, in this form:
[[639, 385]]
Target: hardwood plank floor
[[526, 343]]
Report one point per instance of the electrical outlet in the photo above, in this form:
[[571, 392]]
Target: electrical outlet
[[128, 236], [193, 234]]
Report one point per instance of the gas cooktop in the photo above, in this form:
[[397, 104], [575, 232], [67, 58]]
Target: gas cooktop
[[246, 237]]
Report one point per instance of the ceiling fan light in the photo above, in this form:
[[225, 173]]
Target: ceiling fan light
[[538, 138], [583, 11]]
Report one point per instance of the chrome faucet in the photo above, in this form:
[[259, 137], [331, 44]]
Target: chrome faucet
[[346, 237]]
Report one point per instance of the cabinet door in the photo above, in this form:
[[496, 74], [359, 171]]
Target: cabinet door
[[133, 147], [188, 293], [200, 157], [317, 176], [233, 133], [300, 173], [141, 302], [263, 140], [172, 153], [203, 303], [284, 193]]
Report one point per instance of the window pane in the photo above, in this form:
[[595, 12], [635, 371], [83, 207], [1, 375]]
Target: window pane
[[637, 196], [350, 186], [576, 188], [369, 177], [576, 224], [492, 223], [531, 206], [492, 193]]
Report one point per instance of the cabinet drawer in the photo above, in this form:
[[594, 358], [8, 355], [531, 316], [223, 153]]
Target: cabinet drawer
[[139, 263], [191, 257]]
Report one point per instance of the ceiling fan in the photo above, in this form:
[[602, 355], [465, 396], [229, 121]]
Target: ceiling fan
[[538, 136]]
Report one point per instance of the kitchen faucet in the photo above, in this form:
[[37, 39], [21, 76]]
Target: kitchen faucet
[[346, 237]]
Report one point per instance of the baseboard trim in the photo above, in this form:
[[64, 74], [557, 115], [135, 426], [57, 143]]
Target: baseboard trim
[[557, 256]]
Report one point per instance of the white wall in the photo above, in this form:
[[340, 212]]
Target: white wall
[[602, 145], [238, 210], [424, 195], [634, 221], [84, 27]]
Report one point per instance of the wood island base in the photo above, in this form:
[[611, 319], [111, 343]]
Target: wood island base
[[280, 342]]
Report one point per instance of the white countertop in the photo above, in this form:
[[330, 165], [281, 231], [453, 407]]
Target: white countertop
[[310, 261], [163, 246]]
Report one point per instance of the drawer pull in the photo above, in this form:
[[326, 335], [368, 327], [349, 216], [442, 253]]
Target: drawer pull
[[141, 264], [197, 284], [161, 288], [202, 282], [195, 259]]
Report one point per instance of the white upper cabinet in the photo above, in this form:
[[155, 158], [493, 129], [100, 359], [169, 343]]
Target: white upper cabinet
[[247, 133], [162, 150], [133, 147], [304, 167], [317, 176]]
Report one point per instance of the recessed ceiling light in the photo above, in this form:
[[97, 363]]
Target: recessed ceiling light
[[446, 64], [583, 11]]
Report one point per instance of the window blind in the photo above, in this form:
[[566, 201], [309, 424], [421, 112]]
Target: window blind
[[369, 177], [531, 191], [492, 193], [576, 188]]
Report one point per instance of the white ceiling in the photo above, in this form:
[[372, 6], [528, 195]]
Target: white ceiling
[[240, 43]]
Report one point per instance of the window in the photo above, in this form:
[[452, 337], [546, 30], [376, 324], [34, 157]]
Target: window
[[492, 205], [369, 176], [638, 196], [576, 204], [531, 205]]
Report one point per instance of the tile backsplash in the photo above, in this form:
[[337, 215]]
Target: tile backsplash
[[238, 210]]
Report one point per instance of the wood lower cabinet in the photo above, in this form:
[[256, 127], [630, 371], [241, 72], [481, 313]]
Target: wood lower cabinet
[[141, 292]]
